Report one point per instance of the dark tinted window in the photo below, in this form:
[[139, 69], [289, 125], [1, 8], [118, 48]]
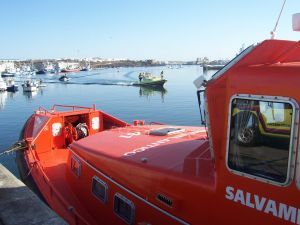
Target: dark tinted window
[[99, 189], [260, 136], [76, 166], [124, 208]]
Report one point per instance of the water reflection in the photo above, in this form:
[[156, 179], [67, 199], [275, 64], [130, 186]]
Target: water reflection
[[152, 91], [3, 97], [29, 95]]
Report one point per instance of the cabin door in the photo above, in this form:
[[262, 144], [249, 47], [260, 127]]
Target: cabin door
[[260, 160]]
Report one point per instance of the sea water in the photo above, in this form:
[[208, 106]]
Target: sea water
[[112, 91]]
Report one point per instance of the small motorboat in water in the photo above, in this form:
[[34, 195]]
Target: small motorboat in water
[[64, 78], [148, 79], [8, 73], [70, 69], [11, 86], [30, 86]]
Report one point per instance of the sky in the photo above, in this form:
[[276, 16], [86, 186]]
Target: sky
[[139, 29]]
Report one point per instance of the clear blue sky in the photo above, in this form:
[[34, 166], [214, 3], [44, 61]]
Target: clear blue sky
[[137, 29]]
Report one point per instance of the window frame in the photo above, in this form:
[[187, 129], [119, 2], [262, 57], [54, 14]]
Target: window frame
[[78, 172], [127, 201], [104, 184], [293, 137]]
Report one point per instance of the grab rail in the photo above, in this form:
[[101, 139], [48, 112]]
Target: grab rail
[[53, 110], [73, 107], [45, 111]]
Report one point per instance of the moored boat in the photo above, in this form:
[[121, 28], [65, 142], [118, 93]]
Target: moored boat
[[11, 85], [30, 86], [8, 73], [70, 69]]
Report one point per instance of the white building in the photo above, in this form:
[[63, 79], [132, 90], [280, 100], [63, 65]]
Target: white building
[[68, 65]]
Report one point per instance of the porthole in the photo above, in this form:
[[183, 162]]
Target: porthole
[[76, 166], [99, 189], [124, 208]]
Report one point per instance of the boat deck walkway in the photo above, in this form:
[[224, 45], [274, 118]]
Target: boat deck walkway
[[19, 205]]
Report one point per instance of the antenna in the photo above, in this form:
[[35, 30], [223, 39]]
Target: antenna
[[274, 30]]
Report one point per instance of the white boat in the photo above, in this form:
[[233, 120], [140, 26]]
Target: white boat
[[30, 86], [3, 85], [8, 73], [11, 86]]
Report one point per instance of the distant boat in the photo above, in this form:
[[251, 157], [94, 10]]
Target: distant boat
[[43, 71], [147, 79], [64, 78], [50, 68], [30, 86], [8, 73], [86, 68], [69, 69], [11, 86], [212, 67], [3, 85]]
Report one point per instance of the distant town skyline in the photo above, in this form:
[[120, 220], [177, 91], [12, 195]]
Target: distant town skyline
[[138, 30]]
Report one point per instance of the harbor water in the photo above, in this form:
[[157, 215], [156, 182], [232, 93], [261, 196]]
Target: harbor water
[[112, 91]]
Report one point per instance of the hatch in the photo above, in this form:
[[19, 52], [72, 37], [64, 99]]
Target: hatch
[[166, 131]]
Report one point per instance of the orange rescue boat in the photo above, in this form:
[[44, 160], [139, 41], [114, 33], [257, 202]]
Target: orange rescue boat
[[242, 168]]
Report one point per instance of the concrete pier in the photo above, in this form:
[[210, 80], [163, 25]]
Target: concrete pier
[[19, 205]]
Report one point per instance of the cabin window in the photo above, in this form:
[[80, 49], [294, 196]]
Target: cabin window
[[260, 139], [99, 189], [76, 166], [124, 208]]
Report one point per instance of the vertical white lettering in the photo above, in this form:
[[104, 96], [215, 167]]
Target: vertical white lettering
[[287, 212], [271, 207], [229, 193], [248, 200], [259, 203], [239, 197]]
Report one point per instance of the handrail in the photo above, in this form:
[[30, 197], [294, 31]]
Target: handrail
[[44, 110], [73, 107], [156, 123]]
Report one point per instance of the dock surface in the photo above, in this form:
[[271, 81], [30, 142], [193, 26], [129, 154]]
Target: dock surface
[[19, 205]]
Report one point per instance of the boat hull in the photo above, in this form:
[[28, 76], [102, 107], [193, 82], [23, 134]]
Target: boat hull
[[7, 75], [157, 83], [69, 70], [12, 88]]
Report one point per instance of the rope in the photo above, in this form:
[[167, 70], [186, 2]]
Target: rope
[[18, 146], [274, 30]]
